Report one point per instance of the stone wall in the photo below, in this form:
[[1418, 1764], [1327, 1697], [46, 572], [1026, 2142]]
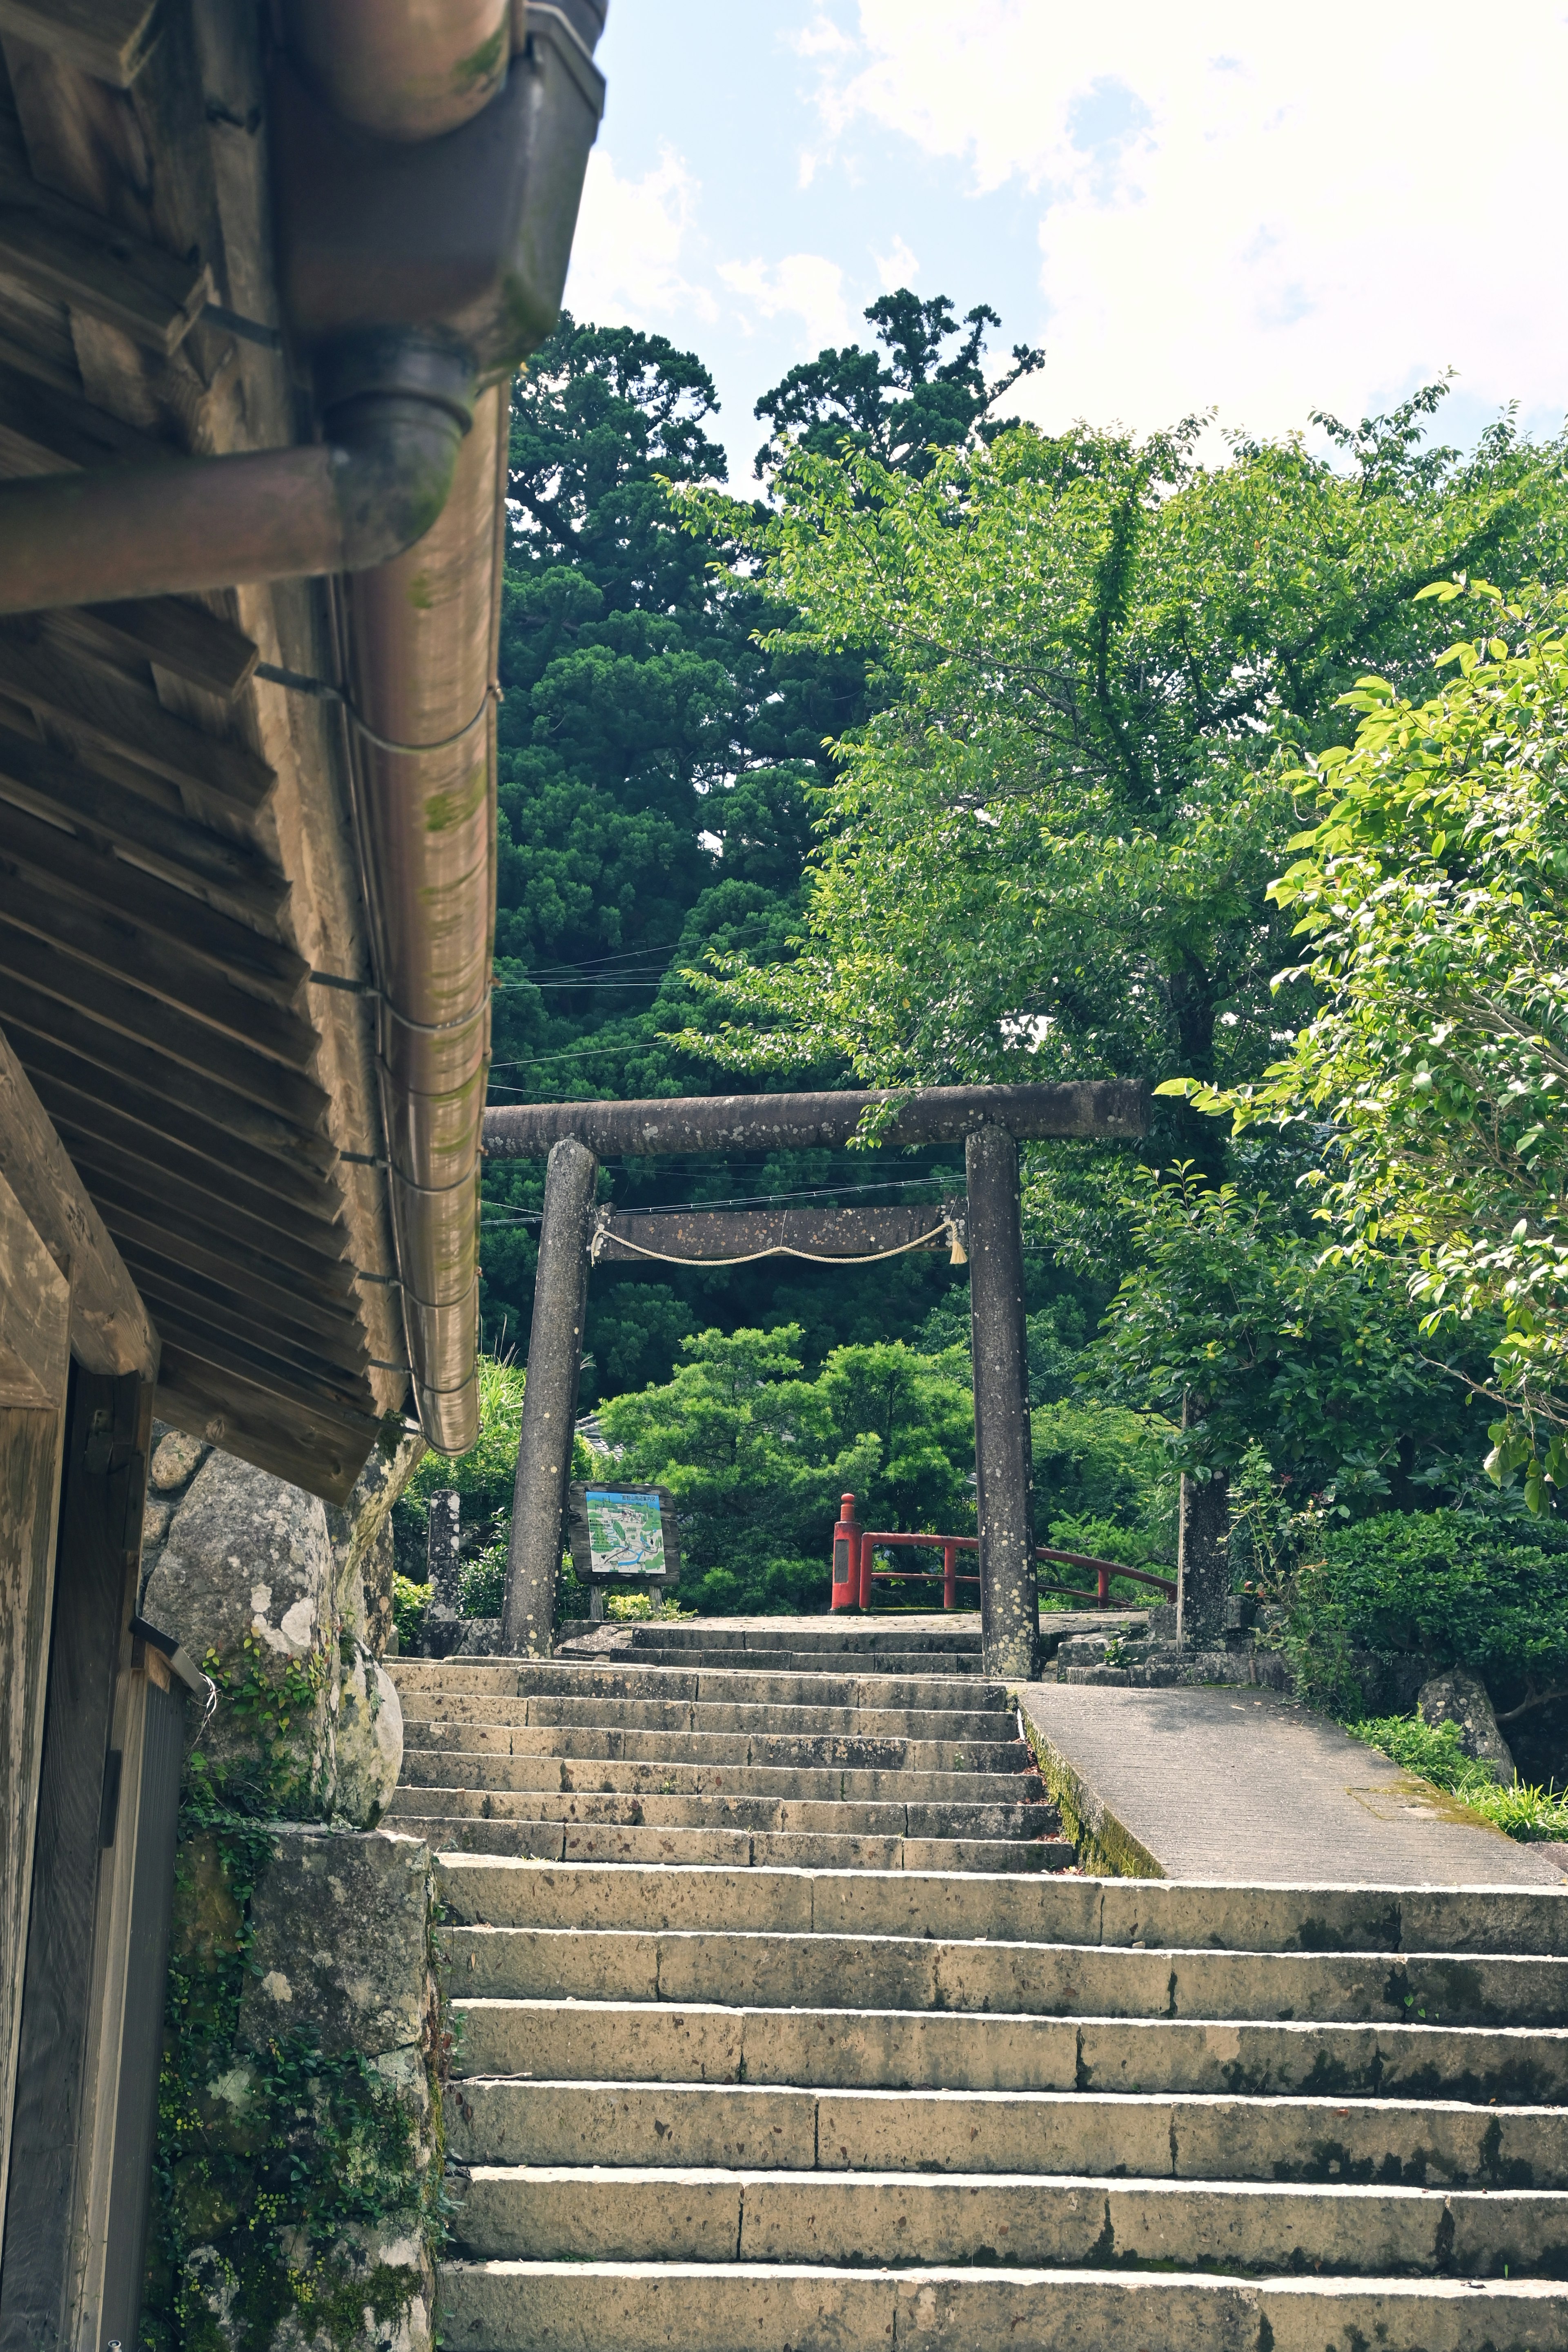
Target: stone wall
[[298, 2194], [279, 1593], [297, 2202]]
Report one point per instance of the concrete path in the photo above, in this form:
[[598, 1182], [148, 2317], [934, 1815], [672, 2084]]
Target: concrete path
[[1243, 1785]]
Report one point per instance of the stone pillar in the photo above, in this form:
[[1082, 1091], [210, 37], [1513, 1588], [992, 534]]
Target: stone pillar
[[1203, 1552], [549, 1401], [441, 1552], [1009, 1596]]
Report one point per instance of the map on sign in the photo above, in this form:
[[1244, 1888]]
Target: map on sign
[[625, 1533]]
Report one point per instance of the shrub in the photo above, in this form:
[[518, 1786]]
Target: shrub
[[1457, 1587]]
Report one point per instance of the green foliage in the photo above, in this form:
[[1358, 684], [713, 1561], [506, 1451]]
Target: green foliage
[[757, 1456], [261, 1767], [1459, 1587], [409, 1602], [1047, 851], [1315, 1363], [1098, 1467], [897, 409], [644, 1608], [1434, 893], [484, 1476], [1433, 1753]]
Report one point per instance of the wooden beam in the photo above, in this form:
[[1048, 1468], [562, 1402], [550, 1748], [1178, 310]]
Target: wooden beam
[[199, 647], [101, 1018], [163, 839], [321, 1451], [106, 715], [260, 1350], [322, 1387], [115, 1151], [107, 38], [125, 952], [109, 1329], [35, 1304], [59, 862], [266, 1283], [231, 1301], [63, 253], [100, 1529], [207, 1118], [696, 1237], [29, 1492], [43, 428]]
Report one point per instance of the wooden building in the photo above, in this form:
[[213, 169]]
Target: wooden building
[[266, 269]]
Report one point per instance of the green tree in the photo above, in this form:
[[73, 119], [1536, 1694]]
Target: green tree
[[1434, 894], [1047, 851], [900, 407], [1314, 1363], [757, 1456]]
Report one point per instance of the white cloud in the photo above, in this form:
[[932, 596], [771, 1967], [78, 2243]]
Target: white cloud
[[631, 237], [806, 286], [1236, 209], [897, 268]]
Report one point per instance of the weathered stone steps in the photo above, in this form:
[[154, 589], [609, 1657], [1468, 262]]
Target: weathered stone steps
[[673, 2306], [577, 1842], [694, 2214], [1486, 2067], [821, 1971], [721, 1810], [877, 2095], [1192, 2136], [825, 1750], [449, 1768]]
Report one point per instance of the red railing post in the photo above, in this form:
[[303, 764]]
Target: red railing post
[[867, 1552], [1104, 1602], [949, 1577], [846, 1587]]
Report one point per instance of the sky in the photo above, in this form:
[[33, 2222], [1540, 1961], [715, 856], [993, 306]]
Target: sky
[[1229, 208]]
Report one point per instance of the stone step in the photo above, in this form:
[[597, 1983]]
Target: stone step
[[917, 1664], [1427, 2143], [550, 2211], [851, 1636], [631, 1808], [822, 1751], [445, 1767], [821, 1970], [694, 2041], [565, 1712], [457, 1836], [1130, 1914], [457, 1680], [578, 2306]]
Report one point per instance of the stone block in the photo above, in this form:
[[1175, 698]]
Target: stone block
[[339, 1926], [1460, 1697]]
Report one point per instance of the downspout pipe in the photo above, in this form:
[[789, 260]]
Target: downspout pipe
[[369, 489]]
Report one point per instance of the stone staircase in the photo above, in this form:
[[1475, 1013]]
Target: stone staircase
[[691, 1744], [766, 2102]]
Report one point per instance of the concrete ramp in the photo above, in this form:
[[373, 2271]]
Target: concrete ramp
[[1243, 1785]]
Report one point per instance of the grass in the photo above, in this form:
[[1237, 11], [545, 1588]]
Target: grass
[[1432, 1751]]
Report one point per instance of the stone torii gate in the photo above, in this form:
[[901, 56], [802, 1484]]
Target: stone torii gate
[[991, 1121]]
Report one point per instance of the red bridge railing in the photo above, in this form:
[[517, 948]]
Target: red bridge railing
[[855, 1572]]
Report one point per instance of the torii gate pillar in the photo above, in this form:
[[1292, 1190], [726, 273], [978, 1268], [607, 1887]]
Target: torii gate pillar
[[549, 1401], [1009, 1594]]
